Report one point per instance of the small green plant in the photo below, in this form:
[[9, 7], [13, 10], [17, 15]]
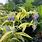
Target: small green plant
[[28, 4], [13, 23]]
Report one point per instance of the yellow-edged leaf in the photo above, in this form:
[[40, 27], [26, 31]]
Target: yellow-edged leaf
[[5, 36], [23, 34]]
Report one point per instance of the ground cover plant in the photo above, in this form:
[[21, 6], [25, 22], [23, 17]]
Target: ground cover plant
[[21, 22]]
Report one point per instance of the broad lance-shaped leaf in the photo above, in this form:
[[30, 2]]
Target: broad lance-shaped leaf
[[23, 34], [19, 37], [5, 17], [18, 15], [14, 39], [23, 25], [8, 35], [4, 22], [22, 14], [23, 10], [5, 36]]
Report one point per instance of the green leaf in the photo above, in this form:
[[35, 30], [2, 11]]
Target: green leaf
[[24, 25], [5, 36], [28, 4], [23, 34], [22, 14], [40, 10]]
